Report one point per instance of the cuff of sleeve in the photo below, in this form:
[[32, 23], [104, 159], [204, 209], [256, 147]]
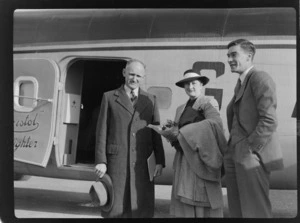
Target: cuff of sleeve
[[255, 145]]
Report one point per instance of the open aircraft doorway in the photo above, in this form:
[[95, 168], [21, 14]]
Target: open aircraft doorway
[[88, 78]]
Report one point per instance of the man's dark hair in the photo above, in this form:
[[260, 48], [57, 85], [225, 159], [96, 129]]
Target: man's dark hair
[[245, 45]]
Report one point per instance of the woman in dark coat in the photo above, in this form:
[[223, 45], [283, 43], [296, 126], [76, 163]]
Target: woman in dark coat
[[197, 135]]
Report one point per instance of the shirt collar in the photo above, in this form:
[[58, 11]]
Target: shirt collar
[[244, 74], [128, 90]]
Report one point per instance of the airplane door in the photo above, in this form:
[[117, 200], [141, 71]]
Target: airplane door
[[35, 100]]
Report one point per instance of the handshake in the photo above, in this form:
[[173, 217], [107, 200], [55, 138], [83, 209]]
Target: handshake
[[169, 130]]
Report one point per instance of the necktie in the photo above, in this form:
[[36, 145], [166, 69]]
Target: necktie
[[237, 87], [132, 97]]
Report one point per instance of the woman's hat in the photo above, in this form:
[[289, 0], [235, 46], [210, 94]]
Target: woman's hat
[[191, 75], [102, 193]]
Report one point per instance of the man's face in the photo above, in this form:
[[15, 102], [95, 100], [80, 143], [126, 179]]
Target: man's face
[[238, 59], [134, 73]]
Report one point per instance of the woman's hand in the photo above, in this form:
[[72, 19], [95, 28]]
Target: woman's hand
[[171, 133]]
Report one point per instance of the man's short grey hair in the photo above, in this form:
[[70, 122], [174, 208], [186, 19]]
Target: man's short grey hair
[[134, 61], [244, 44]]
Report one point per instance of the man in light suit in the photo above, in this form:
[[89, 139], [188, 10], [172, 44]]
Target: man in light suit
[[253, 146], [124, 142]]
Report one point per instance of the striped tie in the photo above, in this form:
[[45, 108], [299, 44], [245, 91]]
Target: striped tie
[[133, 97]]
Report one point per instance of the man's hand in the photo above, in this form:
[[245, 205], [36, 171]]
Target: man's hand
[[100, 169], [158, 170], [156, 128]]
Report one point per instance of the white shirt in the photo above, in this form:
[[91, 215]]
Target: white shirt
[[244, 74], [128, 90]]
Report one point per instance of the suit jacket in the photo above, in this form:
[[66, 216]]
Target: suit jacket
[[255, 108], [122, 134]]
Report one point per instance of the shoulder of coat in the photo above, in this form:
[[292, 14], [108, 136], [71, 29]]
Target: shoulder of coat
[[116, 91], [149, 95], [260, 77], [111, 92], [206, 101], [214, 103]]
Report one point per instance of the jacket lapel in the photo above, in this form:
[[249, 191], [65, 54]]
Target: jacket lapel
[[197, 104], [142, 101], [179, 112], [199, 101], [123, 99], [243, 86]]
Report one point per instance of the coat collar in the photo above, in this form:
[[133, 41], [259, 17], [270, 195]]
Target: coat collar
[[123, 99], [244, 84], [179, 112], [125, 102], [199, 101], [244, 74]]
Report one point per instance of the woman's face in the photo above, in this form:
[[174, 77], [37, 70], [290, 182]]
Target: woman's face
[[193, 88]]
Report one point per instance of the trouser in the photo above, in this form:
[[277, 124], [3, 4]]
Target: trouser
[[247, 185]]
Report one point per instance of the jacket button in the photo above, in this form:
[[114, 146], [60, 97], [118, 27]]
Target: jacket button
[[133, 134]]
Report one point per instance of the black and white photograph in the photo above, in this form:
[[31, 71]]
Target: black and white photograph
[[148, 112]]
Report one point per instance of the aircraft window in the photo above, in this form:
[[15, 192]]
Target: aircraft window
[[25, 94], [163, 96]]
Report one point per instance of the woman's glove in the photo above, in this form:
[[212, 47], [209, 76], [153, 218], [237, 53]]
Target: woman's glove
[[171, 133], [170, 130]]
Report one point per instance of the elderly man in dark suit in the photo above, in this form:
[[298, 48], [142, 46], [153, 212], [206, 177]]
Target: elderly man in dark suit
[[254, 149], [123, 144]]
